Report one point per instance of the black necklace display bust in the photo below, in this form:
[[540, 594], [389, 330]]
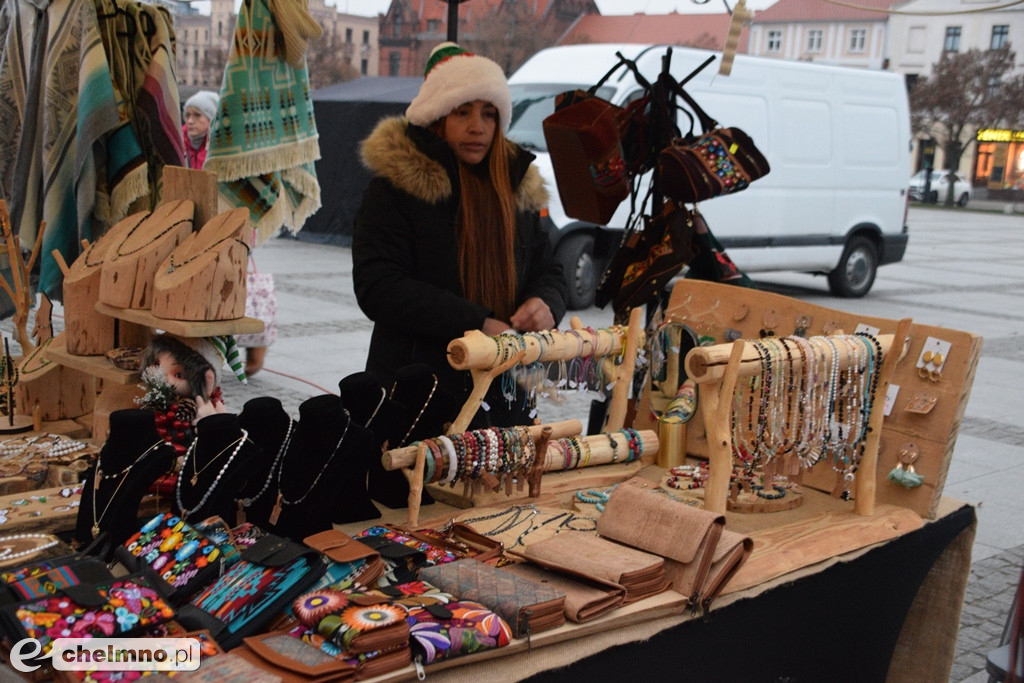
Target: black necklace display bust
[[313, 477], [217, 466], [272, 429], [133, 457]]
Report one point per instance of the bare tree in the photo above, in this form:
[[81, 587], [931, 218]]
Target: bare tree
[[212, 68], [511, 35], [331, 60], [965, 92]]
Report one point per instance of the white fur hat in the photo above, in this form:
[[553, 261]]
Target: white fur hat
[[454, 77]]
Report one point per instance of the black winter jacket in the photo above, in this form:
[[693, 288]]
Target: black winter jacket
[[404, 252]]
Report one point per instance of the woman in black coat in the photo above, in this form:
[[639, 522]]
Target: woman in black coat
[[448, 237]]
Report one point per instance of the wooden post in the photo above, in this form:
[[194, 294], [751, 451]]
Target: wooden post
[[864, 502], [415, 478], [716, 403], [624, 377], [537, 471], [482, 380]]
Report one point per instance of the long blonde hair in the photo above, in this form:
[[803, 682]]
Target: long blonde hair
[[487, 230]]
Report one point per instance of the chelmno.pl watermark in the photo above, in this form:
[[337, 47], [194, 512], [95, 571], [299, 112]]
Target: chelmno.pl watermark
[[109, 654]]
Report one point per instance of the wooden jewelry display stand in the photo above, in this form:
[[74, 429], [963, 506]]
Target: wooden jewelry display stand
[[83, 343], [487, 358], [920, 412], [716, 370]]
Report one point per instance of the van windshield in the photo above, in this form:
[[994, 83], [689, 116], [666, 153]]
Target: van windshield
[[531, 104]]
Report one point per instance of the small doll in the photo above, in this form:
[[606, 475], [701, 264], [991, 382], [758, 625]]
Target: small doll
[[181, 379]]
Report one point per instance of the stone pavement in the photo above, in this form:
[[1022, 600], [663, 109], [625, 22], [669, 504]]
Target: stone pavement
[[962, 270]]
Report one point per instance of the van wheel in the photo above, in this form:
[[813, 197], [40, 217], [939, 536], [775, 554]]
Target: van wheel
[[856, 271], [964, 198], [576, 254]]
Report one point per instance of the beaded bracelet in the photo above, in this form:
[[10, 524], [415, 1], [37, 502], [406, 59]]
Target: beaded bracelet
[[430, 461]]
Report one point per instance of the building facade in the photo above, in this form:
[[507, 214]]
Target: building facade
[[920, 32], [812, 30]]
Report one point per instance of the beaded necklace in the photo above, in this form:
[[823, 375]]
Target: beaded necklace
[[7, 556], [383, 395], [172, 266], [123, 475], [426, 403], [247, 502], [196, 472], [185, 512], [92, 246], [281, 500], [149, 242]]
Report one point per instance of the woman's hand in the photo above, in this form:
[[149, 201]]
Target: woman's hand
[[533, 316], [493, 327]]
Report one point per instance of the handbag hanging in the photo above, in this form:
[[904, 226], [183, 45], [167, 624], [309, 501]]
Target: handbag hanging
[[260, 303], [718, 161]]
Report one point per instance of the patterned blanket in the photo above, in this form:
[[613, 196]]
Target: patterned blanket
[[263, 141]]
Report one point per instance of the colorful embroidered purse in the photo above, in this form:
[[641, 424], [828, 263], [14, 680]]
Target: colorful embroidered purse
[[120, 609], [47, 577], [173, 552], [268, 577]]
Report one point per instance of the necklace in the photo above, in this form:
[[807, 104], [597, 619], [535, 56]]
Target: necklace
[[123, 474], [92, 246], [149, 242], [191, 451], [281, 500], [246, 502], [6, 556], [172, 266], [383, 395], [422, 410], [238, 443]]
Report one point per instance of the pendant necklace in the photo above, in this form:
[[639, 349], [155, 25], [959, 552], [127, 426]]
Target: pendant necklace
[[281, 501], [238, 443], [123, 475]]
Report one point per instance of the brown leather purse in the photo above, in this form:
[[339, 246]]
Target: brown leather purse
[[700, 557]]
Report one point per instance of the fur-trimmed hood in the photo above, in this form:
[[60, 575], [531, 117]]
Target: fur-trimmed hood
[[389, 152]]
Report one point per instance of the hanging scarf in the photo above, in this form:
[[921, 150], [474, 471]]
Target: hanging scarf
[[55, 78], [263, 141]]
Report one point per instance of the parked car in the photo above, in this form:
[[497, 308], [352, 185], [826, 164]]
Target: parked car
[[940, 187]]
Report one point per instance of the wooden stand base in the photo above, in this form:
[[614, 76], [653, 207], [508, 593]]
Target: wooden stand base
[[751, 502], [554, 482], [20, 423]]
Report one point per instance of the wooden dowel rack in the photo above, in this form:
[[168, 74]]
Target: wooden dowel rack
[[600, 448], [706, 364], [478, 351], [397, 458], [719, 367]]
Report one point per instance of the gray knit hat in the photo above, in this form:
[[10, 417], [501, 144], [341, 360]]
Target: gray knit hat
[[204, 101], [454, 77]]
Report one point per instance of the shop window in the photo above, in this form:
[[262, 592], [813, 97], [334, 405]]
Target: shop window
[[1000, 36], [814, 40], [858, 39], [774, 41], [952, 43], [366, 37], [348, 36]]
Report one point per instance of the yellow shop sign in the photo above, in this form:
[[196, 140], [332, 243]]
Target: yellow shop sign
[[1000, 135]]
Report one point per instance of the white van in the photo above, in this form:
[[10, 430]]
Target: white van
[[837, 139]]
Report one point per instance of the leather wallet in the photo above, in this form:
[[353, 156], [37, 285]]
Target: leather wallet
[[688, 538], [585, 598], [290, 659], [528, 607], [342, 548], [638, 573]]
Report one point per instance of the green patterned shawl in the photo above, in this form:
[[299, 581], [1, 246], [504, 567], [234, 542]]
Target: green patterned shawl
[[263, 141]]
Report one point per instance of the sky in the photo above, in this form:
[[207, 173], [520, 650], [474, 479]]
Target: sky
[[372, 8]]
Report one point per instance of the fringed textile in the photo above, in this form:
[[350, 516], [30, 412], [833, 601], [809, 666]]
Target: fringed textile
[[263, 141]]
